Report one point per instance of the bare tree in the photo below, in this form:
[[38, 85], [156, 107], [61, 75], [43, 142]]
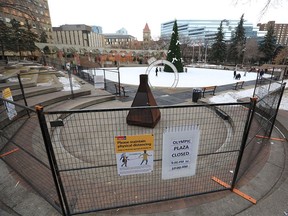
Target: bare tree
[[252, 53], [282, 57], [186, 47], [266, 4], [162, 43]]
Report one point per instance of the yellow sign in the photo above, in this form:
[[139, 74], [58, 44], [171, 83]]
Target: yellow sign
[[7, 93], [134, 143]]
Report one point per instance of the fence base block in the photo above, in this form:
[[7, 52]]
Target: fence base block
[[271, 138], [238, 192]]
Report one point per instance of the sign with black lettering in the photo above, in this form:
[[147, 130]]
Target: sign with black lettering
[[99, 82], [10, 108], [180, 150], [134, 154]]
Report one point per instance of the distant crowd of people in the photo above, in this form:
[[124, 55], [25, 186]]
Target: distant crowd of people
[[260, 73]]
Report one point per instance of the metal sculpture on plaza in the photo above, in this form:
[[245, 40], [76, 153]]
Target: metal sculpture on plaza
[[148, 117]]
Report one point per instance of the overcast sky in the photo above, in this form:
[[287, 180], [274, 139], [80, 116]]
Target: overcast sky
[[132, 15]]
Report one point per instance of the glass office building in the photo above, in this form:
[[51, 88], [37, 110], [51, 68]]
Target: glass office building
[[203, 31], [97, 29]]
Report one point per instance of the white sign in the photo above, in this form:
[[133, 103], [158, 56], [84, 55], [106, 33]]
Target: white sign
[[180, 150], [99, 81], [10, 108]]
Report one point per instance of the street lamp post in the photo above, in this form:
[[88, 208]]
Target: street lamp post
[[69, 67], [199, 52], [43, 58], [193, 53], [18, 46], [206, 45], [243, 51]]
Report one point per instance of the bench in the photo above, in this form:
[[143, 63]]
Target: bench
[[238, 85], [119, 89], [208, 89]]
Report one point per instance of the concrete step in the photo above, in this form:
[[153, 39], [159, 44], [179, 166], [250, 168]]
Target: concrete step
[[34, 91], [80, 103], [60, 100], [28, 81], [55, 97], [15, 85]]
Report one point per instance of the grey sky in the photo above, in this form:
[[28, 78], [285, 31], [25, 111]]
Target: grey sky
[[132, 15]]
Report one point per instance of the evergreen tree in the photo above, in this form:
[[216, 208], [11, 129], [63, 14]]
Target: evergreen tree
[[233, 50], [43, 37], [268, 45], [174, 52], [16, 36], [23, 38], [237, 46], [218, 51], [46, 50], [5, 38], [30, 38]]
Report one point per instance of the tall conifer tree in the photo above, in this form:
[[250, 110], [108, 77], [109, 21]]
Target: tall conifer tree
[[218, 52], [5, 38], [268, 45], [174, 52], [30, 38], [237, 46]]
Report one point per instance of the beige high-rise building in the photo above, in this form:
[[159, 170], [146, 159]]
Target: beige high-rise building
[[280, 30], [36, 12], [80, 35]]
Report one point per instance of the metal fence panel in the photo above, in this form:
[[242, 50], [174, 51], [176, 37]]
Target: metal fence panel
[[269, 94], [85, 154], [22, 136]]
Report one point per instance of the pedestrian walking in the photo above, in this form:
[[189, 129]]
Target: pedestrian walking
[[156, 71], [261, 73]]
